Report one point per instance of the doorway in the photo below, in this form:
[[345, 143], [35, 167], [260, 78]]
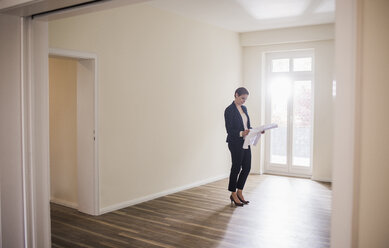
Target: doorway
[[347, 31], [73, 143], [289, 103]]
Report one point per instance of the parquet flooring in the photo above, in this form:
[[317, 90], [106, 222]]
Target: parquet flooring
[[283, 212]]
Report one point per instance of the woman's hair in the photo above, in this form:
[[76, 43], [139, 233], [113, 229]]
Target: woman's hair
[[241, 91]]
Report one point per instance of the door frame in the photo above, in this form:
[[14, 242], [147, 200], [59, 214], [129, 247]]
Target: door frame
[[289, 169], [344, 222], [93, 189]]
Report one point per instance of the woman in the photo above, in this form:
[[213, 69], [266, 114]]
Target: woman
[[238, 125]]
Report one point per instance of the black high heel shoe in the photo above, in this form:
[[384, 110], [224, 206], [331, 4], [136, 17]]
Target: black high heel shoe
[[238, 204], [243, 201]]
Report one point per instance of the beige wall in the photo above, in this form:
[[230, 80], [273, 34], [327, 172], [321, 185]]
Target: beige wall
[[164, 82], [374, 132], [324, 61], [63, 130]]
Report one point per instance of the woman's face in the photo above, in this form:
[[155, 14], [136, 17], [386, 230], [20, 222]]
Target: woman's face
[[240, 100]]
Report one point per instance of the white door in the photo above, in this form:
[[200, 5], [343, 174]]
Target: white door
[[86, 164], [289, 103]]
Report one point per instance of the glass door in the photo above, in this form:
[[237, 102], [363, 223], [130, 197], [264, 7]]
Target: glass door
[[289, 103]]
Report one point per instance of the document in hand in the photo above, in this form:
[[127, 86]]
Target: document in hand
[[255, 133]]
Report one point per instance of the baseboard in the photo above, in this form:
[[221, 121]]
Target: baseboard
[[322, 179], [160, 194], [64, 203], [276, 173], [319, 179]]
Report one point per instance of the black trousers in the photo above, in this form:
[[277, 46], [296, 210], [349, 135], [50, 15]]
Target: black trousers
[[241, 165]]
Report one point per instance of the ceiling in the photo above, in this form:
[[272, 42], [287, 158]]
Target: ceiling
[[235, 15], [252, 15]]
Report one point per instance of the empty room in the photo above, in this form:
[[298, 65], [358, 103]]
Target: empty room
[[193, 123]]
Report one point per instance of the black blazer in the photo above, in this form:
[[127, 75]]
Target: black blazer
[[234, 122]]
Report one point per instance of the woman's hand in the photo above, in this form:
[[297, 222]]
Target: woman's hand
[[245, 132]]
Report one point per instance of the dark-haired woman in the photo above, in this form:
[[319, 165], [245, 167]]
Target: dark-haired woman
[[238, 124]]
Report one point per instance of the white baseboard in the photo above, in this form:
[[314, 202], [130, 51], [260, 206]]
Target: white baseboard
[[322, 179], [160, 194], [64, 203], [276, 173], [319, 179]]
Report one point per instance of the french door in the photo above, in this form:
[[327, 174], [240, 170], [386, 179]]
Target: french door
[[289, 103]]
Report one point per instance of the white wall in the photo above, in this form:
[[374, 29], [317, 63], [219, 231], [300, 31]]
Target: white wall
[[374, 132], [256, 44], [164, 82], [12, 215], [63, 130]]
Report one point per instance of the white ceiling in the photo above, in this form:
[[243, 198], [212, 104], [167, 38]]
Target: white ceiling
[[251, 15]]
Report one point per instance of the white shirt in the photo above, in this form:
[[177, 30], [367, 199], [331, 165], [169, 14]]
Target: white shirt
[[244, 118]]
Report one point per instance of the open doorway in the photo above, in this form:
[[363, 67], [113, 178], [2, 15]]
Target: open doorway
[[347, 37], [73, 144]]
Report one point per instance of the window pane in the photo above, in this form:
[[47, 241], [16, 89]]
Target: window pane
[[302, 64], [302, 119], [280, 89], [280, 65]]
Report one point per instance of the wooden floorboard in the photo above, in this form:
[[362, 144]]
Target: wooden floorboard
[[283, 212]]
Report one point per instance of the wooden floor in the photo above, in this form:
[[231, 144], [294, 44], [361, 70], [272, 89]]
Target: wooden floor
[[283, 212]]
